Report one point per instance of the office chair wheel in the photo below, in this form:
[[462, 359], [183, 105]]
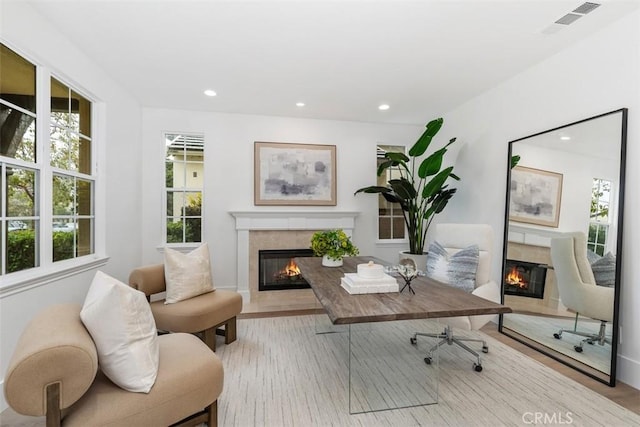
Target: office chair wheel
[[477, 367], [427, 360], [557, 336], [485, 349], [578, 349], [413, 340]]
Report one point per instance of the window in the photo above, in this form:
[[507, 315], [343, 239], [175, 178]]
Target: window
[[390, 218], [599, 216], [72, 182], [184, 165], [47, 182]]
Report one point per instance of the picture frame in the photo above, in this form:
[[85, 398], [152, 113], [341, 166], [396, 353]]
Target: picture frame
[[291, 174], [535, 196]]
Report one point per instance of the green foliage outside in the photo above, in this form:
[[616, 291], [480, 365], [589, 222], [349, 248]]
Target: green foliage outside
[[21, 252], [191, 215], [62, 245]]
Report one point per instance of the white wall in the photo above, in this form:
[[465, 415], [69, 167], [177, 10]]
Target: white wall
[[229, 176], [26, 31], [597, 75]]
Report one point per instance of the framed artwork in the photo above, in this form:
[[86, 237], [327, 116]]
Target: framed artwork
[[294, 174], [535, 196]]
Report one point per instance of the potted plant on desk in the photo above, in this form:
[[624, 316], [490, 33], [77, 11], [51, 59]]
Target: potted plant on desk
[[332, 246], [421, 191]]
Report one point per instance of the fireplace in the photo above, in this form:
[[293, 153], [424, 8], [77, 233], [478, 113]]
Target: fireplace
[[277, 269], [525, 279]]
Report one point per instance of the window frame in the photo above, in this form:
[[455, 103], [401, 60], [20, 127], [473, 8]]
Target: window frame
[[390, 241], [602, 225], [49, 271], [184, 190]]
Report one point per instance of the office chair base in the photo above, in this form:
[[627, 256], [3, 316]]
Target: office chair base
[[590, 338], [446, 337]]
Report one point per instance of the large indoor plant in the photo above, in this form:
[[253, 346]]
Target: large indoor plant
[[332, 246], [422, 190]]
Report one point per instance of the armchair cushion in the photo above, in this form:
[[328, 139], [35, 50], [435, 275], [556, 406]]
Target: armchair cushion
[[120, 322], [456, 269], [187, 275]]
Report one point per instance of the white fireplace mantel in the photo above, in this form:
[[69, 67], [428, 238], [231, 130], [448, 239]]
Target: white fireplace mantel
[[281, 220]]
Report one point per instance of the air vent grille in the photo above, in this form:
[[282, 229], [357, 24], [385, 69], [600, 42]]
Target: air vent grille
[[569, 18], [585, 8]]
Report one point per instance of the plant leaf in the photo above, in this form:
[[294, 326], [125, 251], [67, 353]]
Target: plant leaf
[[432, 164], [373, 189], [423, 142], [403, 188], [436, 183], [397, 156]]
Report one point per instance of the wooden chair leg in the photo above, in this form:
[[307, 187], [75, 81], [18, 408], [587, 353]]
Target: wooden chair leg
[[230, 331], [213, 414], [53, 418], [210, 338]]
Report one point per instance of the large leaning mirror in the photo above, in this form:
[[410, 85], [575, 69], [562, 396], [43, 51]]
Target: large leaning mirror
[[563, 241]]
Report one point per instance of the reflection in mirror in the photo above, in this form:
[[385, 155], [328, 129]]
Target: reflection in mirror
[[561, 266]]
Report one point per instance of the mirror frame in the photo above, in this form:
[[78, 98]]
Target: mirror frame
[[616, 303]]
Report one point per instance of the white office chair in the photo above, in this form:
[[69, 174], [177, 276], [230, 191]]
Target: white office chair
[[577, 287], [454, 237]]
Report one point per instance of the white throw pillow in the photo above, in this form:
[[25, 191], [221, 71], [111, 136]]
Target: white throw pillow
[[120, 322], [457, 269], [187, 275]]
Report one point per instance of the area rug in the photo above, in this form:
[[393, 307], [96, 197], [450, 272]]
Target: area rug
[[281, 373]]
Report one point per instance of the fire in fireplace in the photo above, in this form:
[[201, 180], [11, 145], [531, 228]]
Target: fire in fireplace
[[277, 269], [525, 279]]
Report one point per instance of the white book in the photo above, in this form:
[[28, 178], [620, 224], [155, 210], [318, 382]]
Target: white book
[[369, 286]]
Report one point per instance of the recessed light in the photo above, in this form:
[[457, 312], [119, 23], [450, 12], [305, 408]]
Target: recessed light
[[299, 104], [210, 92], [565, 138], [383, 107]]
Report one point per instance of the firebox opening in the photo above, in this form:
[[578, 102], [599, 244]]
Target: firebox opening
[[525, 279], [277, 269]]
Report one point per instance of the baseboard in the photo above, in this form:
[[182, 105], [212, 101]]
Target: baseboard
[[628, 371]]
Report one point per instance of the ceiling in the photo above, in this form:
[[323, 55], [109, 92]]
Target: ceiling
[[341, 58]]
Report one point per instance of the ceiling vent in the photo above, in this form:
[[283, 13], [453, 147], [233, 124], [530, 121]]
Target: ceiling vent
[[569, 18], [586, 8]]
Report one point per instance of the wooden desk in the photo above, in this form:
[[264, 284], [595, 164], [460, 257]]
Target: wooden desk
[[385, 370], [431, 300]]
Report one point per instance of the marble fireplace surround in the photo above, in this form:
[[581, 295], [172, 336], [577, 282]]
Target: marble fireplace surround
[[256, 230]]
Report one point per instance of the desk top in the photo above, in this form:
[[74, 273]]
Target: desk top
[[431, 300]]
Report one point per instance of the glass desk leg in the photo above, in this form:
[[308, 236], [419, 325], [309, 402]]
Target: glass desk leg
[[324, 326], [388, 371]]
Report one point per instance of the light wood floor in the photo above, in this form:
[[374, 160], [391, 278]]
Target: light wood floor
[[622, 394]]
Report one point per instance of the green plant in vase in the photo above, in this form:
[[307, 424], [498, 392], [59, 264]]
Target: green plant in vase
[[332, 246], [422, 191]]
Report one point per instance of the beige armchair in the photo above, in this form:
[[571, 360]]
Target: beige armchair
[[203, 315], [54, 373], [577, 287]]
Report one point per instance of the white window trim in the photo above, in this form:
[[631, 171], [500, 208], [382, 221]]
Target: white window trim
[[48, 271]]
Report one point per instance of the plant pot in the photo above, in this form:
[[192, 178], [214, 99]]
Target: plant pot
[[330, 262], [420, 260]]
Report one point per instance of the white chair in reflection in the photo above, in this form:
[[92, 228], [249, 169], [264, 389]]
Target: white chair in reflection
[[454, 237], [577, 287]]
